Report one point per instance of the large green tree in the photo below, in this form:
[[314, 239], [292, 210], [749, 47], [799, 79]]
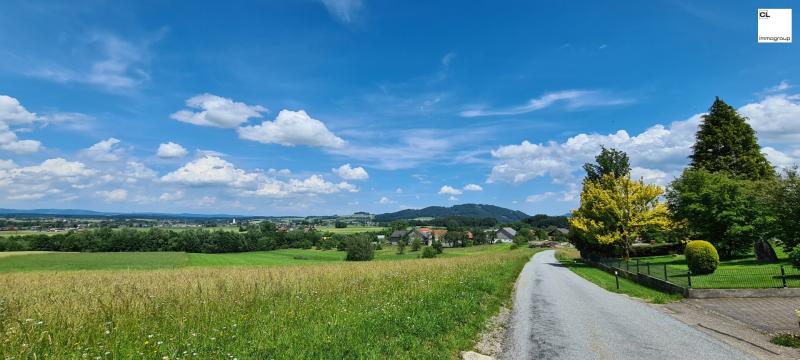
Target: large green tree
[[726, 143], [731, 213], [609, 161], [786, 202]]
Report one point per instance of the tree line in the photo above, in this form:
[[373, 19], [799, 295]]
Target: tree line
[[729, 195]]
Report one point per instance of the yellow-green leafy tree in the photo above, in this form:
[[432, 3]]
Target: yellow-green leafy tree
[[615, 210]]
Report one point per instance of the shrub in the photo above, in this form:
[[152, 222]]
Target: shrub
[[794, 257], [360, 249], [656, 249], [428, 252], [701, 257], [416, 244], [438, 246]]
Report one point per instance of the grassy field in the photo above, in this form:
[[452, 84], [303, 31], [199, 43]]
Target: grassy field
[[55, 261], [414, 309], [570, 258], [351, 229]]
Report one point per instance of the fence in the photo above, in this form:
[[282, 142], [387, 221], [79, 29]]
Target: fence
[[678, 278]]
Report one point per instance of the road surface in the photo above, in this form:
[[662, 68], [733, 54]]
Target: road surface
[[559, 315]]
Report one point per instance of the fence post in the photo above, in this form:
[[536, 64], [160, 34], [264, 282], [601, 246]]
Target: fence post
[[665, 273], [783, 276], [616, 275], [648, 268], [689, 277]]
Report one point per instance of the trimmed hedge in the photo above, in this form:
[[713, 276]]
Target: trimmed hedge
[[701, 257], [794, 257]]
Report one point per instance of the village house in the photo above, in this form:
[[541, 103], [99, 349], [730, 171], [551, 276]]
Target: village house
[[396, 236], [505, 235]]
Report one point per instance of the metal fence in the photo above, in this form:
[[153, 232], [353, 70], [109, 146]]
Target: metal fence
[[733, 277]]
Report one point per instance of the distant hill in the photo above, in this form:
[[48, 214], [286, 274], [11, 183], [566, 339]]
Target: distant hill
[[466, 210]]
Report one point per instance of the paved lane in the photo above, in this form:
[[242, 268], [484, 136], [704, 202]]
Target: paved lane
[[559, 315]]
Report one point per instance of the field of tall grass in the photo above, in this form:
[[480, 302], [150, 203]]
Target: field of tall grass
[[410, 309]]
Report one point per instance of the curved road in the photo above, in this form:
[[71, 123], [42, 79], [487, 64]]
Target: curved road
[[559, 315]]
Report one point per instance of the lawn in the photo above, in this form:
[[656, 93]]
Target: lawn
[[741, 272], [414, 309], [44, 261], [607, 281]]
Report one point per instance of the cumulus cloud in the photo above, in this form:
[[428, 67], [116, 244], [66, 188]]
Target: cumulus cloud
[[385, 200], [217, 111], [106, 150], [115, 195], [12, 113], [135, 171], [177, 195], [776, 118], [313, 185], [449, 190], [540, 197], [571, 99], [292, 128], [210, 170], [171, 150], [473, 187], [349, 173], [36, 181]]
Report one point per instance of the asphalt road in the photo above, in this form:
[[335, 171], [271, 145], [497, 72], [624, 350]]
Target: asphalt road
[[559, 315]]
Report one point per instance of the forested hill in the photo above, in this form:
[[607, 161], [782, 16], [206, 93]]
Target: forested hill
[[465, 210]]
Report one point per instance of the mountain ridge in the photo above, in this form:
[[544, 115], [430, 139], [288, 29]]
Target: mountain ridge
[[501, 214]]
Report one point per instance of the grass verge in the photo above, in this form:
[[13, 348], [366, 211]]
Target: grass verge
[[570, 259], [415, 309], [787, 340]]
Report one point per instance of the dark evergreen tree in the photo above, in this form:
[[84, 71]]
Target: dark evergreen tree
[[726, 143], [609, 161]]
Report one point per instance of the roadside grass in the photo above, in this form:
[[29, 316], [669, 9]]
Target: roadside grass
[[59, 261], [351, 229], [570, 259], [415, 309], [788, 340], [740, 272]]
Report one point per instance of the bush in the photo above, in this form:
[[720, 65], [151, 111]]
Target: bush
[[416, 244], [656, 249], [428, 253], [794, 257], [701, 257], [438, 246], [360, 249]]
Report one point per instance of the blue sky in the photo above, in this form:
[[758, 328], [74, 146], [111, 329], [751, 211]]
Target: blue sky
[[335, 106]]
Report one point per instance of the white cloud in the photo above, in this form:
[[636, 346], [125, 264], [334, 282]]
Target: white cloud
[[385, 200], [121, 66], [138, 171], [779, 158], [105, 150], [540, 197], [449, 190], [344, 11], [292, 128], [452, 198], [217, 111], [473, 187], [349, 173], [36, 181], [398, 190], [210, 170], [313, 185], [177, 195], [650, 175], [12, 113], [281, 172], [572, 100], [115, 195], [776, 118], [171, 150]]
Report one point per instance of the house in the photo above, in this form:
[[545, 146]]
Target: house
[[424, 235], [397, 235], [505, 235], [438, 234]]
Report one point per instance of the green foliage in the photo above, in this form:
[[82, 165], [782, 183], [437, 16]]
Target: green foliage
[[541, 234], [340, 224], [615, 211], [454, 238], [794, 257], [416, 244], [546, 221], [428, 252], [726, 143], [786, 202], [610, 161], [437, 245], [523, 236], [401, 246], [730, 213], [788, 340], [701, 257], [359, 248]]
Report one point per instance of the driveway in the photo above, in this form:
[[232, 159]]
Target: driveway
[[559, 315]]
